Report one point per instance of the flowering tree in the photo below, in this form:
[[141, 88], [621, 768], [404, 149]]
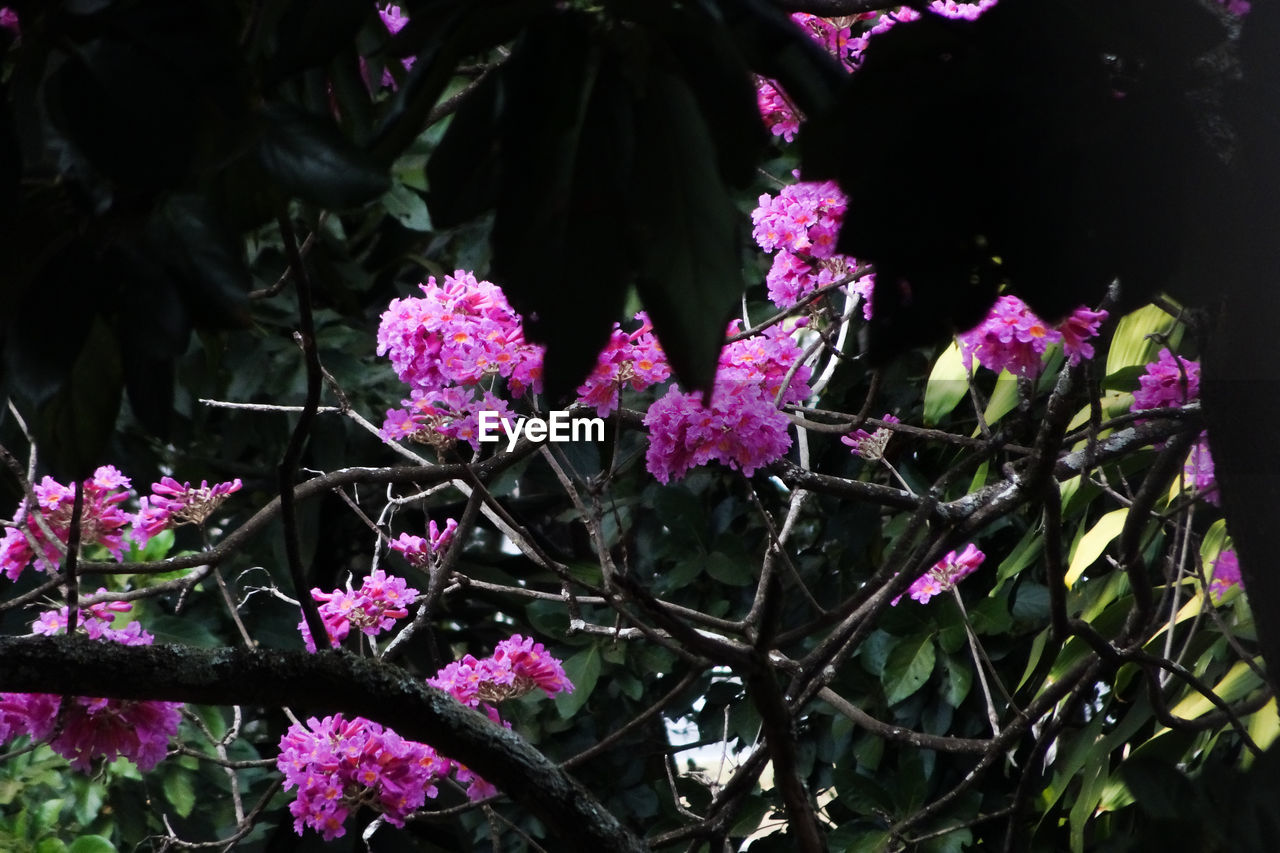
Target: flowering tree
[[1007, 612]]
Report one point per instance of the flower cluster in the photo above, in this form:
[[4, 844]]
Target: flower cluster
[[743, 426], [338, 765], [948, 572], [870, 445], [802, 222], [634, 359], [94, 728], [96, 621], [172, 503], [1013, 338], [423, 552], [1170, 380], [1226, 574], [442, 345], [517, 666], [102, 522], [372, 609], [9, 20]]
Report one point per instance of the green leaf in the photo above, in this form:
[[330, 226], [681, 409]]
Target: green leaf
[[310, 159], [407, 207], [51, 845], [91, 844], [1004, 397], [179, 791], [1022, 555], [583, 669], [959, 679], [727, 570], [1132, 344], [687, 231], [948, 384], [1094, 542], [908, 668]]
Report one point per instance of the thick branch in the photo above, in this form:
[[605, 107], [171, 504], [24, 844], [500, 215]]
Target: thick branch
[[321, 683]]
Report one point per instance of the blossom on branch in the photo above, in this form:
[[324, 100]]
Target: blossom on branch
[[88, 729], [948, 572]]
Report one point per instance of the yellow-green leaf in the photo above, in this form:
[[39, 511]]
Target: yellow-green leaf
[[948, 385], [1131, 345], [1093, 543]]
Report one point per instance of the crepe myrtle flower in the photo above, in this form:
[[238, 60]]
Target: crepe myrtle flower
[[948, 572]]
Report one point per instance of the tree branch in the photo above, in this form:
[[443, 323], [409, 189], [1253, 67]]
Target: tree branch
[[321, 683]]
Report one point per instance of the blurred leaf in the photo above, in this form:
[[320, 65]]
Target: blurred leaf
[[908, 668], [948, 384], [179, 790], [91, 844], [310, 159], [690, 275]]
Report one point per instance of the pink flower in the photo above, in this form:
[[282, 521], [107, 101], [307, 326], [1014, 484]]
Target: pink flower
[[338, 764], [1011, 338], [635, 359], [1171, 380], [743, 427], [868, 445], [1077, 330], [102, 522], [93, 728], [371, 609], [1226, 574], [948, 572], [1199, 472]]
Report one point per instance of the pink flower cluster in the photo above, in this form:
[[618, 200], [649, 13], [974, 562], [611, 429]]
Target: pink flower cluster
[[94, 728], [102, 522], [172, 503], [372, 609], [443, 345], [1226, 574], [1170, 380], [743, 427], [1014, 339], [9, 20], [802, 222], [870, 445], [338, 765], [423, 553], [517, 666], [948, 572], [634, 359], [394, 20]]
